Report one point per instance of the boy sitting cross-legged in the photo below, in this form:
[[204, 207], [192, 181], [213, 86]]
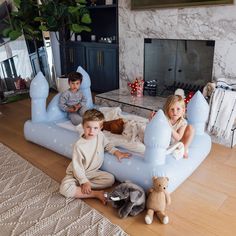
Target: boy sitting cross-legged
[[83, 175], [72, 100]]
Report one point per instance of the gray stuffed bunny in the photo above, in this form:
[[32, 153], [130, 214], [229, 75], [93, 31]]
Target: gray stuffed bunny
[[129, 198]]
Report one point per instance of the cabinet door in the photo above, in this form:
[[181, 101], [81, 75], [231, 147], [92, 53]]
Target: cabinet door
[[72, 56], [102, 68]]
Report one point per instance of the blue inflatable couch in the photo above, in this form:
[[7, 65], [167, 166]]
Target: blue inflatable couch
[[43, 130]]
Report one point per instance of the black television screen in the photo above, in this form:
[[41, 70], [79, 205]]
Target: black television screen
[[5, 9]]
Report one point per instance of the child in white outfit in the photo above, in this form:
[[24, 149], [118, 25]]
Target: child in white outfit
[[83, 174], [174, 110]]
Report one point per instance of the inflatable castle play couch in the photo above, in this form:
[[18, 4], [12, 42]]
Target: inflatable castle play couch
[[43, 129]]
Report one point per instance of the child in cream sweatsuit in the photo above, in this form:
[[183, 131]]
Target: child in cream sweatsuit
[[83, 174]]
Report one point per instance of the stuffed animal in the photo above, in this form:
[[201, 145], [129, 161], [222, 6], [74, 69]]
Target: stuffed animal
[[114, 126], [180, 92], [209, 89], [157, 200], [129, 198]]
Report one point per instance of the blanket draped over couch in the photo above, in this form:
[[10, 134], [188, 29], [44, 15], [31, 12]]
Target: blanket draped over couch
[[44, 130]]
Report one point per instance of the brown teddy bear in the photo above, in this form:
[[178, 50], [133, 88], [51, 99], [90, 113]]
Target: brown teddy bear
[[157, 200], [114, 126]]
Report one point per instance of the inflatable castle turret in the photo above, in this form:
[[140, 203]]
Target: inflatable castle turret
[[157, 139], [85, 87], [39, 90], [197, 112]]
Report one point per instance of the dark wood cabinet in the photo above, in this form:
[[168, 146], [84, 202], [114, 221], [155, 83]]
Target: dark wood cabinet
[[100, 56], [102, 66], [72, 56]]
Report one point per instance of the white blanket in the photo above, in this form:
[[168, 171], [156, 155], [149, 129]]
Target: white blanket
[[222, 112], [132, 136]]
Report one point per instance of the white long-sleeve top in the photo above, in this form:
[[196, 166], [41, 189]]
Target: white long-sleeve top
[[88, 156]]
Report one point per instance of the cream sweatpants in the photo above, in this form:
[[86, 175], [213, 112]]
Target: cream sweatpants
[[98, 179]]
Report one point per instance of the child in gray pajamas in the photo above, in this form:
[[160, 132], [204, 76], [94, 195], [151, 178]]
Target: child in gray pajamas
[[83, 174], [72, 100]]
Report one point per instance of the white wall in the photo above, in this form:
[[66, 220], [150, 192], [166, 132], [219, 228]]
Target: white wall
[[18, 48], [204, 23]]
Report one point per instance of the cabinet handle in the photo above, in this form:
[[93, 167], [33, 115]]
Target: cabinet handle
[[98, 58], [101, 58], [71, 56]]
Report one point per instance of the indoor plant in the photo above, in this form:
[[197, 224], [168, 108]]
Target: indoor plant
[[22, 22], [64, 16]]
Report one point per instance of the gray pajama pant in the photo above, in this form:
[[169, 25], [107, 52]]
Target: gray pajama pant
[[77, 117], [98, 179]]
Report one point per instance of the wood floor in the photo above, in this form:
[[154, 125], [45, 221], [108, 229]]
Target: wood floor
[[205, 204]]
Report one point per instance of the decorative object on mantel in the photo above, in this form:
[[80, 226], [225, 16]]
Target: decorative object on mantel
[[143, 4], [137, 87], [180, 92], [189, 96], [151, 87], [109, 2]]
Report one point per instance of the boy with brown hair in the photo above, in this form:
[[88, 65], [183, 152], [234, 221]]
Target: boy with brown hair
[[83, 174], [72, 100]]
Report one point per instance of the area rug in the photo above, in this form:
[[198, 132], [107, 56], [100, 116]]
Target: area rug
[[30, 204]]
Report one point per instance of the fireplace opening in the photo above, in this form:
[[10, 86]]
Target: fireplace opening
[[172, 63]]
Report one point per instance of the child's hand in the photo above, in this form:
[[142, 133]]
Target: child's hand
[[86, 188], [77, 106], [120, 155], [152, 115], [71, 109]]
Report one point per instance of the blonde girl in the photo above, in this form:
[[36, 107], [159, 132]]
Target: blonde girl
[[174, 110]]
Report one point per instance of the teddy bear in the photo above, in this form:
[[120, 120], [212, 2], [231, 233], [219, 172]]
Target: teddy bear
[[157, 200], [209, 89], [114, 126]]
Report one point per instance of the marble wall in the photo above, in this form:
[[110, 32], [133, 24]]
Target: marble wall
[[204, 23]]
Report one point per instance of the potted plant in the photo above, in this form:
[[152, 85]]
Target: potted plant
[[66, 17], [63, 16]]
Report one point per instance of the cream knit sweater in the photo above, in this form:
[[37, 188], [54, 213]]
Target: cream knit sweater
[[88, 157]]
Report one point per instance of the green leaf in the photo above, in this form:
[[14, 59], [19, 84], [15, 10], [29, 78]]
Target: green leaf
[[39, 19], [17, 3], [79, 28], [15, 34], [6, 32], [43, 28], [72, 9], [81, 1], [76, 28], [86, 19], [86, 28]]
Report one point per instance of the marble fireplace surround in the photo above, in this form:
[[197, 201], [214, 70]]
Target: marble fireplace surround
[[200, 23]]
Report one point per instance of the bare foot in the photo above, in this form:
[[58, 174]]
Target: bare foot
[[100, 196]]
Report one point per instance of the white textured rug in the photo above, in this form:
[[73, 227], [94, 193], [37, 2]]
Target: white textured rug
[[30, 204]]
